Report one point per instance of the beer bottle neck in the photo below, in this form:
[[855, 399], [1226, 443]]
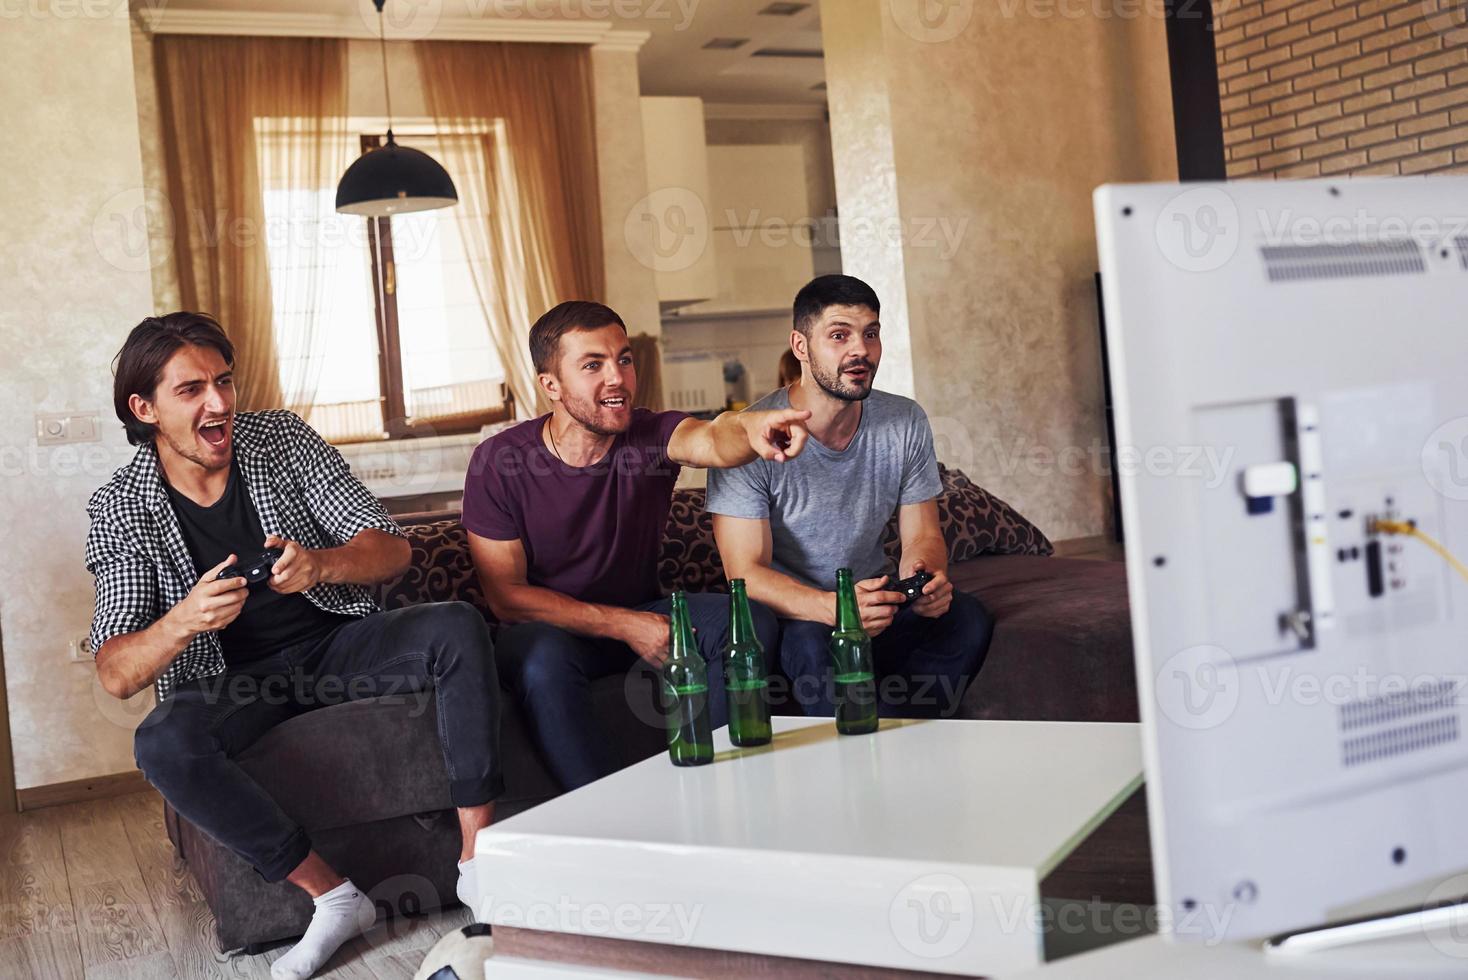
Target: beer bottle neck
[[741, 621], [681, 643], [848, 614]]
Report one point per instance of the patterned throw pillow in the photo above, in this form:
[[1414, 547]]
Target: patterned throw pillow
[[975, 522], [440, 569], [688, 559]]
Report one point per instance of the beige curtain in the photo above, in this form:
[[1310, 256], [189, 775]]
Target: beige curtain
[[517, 133], [242, 117]]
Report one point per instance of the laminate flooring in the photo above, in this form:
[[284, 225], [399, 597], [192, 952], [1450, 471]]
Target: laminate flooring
[[93, 890]]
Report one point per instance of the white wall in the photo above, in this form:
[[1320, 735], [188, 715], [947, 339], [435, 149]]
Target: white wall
[[75, 276], [979, 136], [631, 283]]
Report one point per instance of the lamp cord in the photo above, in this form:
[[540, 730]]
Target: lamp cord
[[382, 49]]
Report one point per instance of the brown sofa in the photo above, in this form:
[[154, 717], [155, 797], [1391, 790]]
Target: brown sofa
[[366, 779]]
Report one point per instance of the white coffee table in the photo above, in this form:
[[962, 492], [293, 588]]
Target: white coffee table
[[920, 847]]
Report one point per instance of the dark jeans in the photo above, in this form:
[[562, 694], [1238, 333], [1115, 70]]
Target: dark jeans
[[922, 663], [187, 745], [549, 671]]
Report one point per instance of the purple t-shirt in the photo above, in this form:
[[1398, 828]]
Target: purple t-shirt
[[593, 532]]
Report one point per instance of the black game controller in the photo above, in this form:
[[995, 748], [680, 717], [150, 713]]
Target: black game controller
[[912, 587], [256, 570]]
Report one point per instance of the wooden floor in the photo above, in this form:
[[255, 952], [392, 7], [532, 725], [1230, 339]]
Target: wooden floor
[[93, 890]]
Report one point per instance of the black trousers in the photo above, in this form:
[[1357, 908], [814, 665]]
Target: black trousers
[[187, 745], [549, 672], [923, 664]]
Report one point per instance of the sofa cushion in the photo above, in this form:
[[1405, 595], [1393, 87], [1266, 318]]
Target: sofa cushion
[[440, 568], [974, 522], [366, 779], [1062, 646], [353, 763], [380, 758], [406, 865]]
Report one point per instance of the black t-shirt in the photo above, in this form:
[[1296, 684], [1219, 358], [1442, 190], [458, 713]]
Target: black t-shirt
[[270, 621]]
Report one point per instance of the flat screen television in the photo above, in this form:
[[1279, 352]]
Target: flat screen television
[[1289, 368]]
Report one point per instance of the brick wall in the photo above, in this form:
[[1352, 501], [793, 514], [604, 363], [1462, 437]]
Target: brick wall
[[1319, 87]]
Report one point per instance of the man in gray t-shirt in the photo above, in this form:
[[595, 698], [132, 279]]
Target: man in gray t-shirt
[[786, 529]]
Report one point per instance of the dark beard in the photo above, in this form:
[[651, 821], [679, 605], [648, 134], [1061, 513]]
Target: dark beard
[[832, 384]]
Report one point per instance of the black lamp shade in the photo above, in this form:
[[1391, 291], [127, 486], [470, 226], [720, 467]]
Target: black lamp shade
[[394, 179]]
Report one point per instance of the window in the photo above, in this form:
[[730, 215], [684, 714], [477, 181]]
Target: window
[[401, 346]]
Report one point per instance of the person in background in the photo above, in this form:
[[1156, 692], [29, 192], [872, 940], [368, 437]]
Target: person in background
[[789, 368]]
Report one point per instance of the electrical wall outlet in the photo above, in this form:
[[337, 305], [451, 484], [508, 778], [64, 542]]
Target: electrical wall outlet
[[53, 429], [79, 650]]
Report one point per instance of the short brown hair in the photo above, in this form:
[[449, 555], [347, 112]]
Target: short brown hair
[[138, 367], [545, 336]]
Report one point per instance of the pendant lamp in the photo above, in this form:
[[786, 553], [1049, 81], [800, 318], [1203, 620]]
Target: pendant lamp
[[393, 179]]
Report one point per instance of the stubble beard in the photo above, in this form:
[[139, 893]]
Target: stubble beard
[[578, 410], [192, 454], [833, 385]]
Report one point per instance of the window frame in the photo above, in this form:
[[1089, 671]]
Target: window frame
[[392, 400]]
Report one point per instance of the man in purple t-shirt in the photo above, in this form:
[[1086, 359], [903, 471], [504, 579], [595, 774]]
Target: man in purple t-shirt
[[565, 515]]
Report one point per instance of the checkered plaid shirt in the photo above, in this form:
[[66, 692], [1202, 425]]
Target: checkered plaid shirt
[[302, 490]]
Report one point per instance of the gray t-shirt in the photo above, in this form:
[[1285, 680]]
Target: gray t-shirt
[[827, 509]]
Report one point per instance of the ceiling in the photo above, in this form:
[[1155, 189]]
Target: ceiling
[[673, 61]]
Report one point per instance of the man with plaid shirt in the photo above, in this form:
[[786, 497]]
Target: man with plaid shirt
[[207, 489]]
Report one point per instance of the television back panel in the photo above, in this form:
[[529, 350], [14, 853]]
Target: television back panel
[[1289, 363]]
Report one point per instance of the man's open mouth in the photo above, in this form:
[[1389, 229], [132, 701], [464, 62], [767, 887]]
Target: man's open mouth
[[619, 401], [859, 373], [214, 432]]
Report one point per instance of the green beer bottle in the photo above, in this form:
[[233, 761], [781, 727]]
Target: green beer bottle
[[744, 674], [686, 692], [851, 656]]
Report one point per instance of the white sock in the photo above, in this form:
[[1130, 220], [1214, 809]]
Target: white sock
[[340, 914], [467, 888]]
